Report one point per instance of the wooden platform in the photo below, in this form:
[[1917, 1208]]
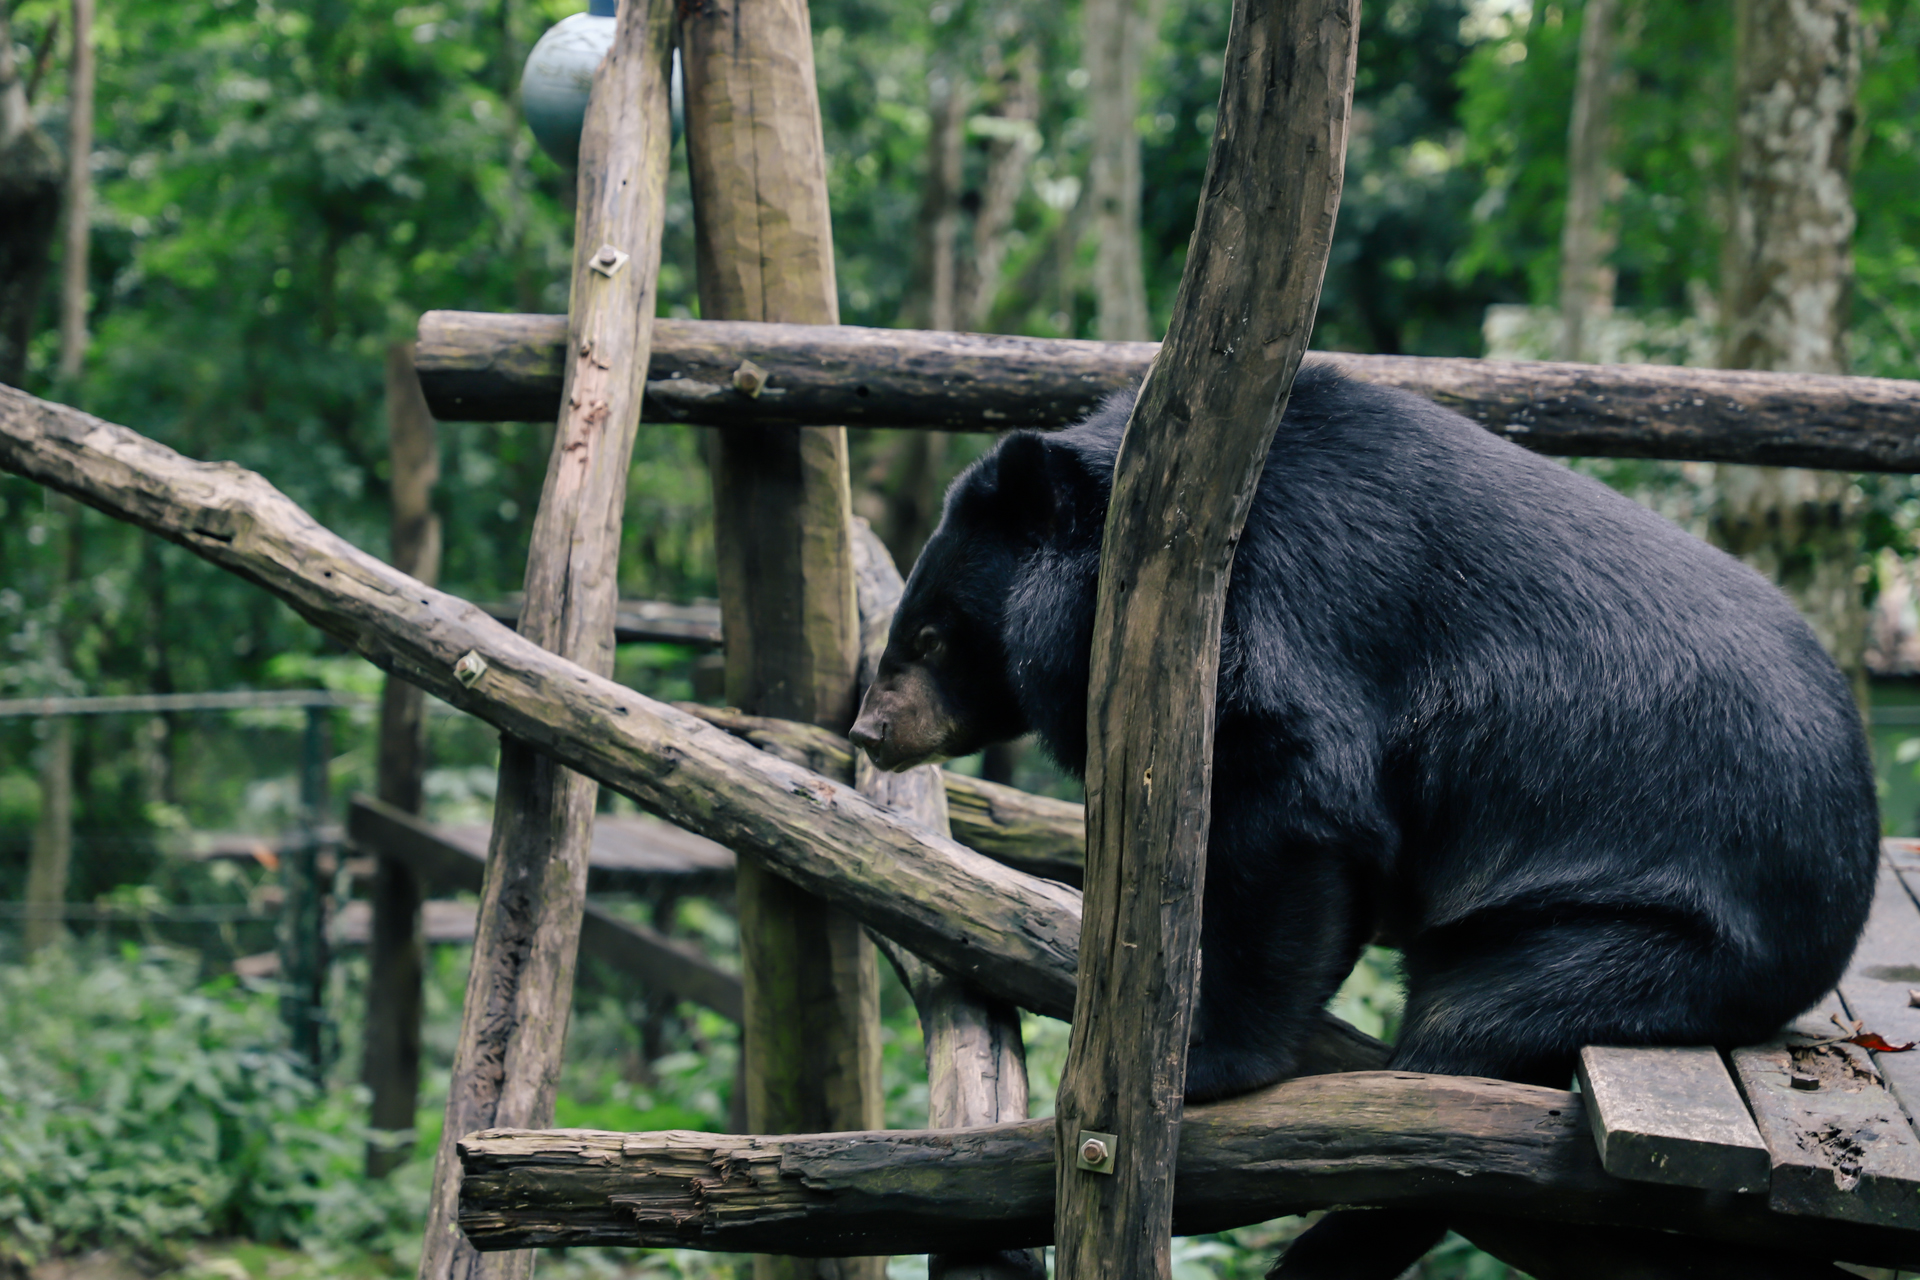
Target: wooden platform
[[631, 854], [1823, 1127]]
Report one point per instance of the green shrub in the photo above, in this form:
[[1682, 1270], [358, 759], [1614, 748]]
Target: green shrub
[[142, 1108]]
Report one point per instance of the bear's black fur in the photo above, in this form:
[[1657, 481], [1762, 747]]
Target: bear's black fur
[[1596, 778]]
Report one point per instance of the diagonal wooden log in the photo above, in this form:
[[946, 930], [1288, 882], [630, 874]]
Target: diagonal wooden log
[[1375, 1138], [513, 1024], [1012, 933], [479, 367]]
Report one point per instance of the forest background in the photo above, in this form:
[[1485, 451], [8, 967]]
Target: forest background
[[280, 190]]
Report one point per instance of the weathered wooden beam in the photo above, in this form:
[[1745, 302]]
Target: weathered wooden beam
[[1014, 934], [1376, 1138], [782, 511], [396, 951], [1671, 1115], [1192, 456], [1840, 1145], [479, 367], [1037, 834], [1884, 974], [513, 1022]]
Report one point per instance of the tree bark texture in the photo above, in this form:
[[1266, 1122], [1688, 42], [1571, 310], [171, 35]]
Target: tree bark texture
[[79, 237], [505, 368], [520, 988], [1789, 268], [1011, 933], [1586, 280], [976, 1061], [782, 520], [396, 952], [1184, 480], [1114, 36], [1374, 1138], [29, 212]]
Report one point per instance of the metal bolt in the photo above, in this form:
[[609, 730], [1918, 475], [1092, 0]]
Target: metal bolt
[[607, 261], [1095, 1151], [470, 668], [1799, 1081], [749, 379]]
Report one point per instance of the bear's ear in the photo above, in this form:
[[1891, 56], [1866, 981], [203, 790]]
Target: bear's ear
[[1043, 487]]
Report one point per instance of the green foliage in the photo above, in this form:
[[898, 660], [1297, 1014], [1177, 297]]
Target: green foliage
[[141, 1108]]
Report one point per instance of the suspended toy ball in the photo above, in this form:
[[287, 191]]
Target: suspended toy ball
[[559, 76]]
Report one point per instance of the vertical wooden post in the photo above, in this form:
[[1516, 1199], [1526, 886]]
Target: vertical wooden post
[[73, 266], [396, 953], [1188, 465], [514, 1024], [303, 912], [976, 1062], [782, 512]]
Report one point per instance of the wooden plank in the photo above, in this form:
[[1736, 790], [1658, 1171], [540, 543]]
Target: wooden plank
[[630, 854], [1380, 1138], [1673, 1116], [1183, 483], [477, 367], [1878, 985], [446, 865], [1840, 1145]]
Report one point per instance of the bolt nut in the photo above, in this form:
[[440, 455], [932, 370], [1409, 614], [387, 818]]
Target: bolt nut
[[1799, 1081], [470, 668], [1094, 1152], [749, 379], [607, 261]]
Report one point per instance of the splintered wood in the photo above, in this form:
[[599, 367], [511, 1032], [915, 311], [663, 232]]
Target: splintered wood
[[1840, 1145]]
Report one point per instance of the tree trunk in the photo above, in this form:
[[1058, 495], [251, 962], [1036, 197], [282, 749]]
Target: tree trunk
[[29, 211], [1788, 270], [396, 951], [520, 989], [73, 266], [52, 853], [1114, 39], [916, 461], [1010, 153], [1586, 281], [782, 519], [1184, 481]]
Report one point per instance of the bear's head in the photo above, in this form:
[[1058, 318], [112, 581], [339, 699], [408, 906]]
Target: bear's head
[[997, 614]]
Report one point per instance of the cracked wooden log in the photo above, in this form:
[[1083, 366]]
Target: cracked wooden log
[[478, 367], [1014, 934], [1376, 1138], [1037, 834]]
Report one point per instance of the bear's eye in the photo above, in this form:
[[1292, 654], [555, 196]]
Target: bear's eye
[[928, 644]]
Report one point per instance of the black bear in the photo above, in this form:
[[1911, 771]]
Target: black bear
[[1596, 779]]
